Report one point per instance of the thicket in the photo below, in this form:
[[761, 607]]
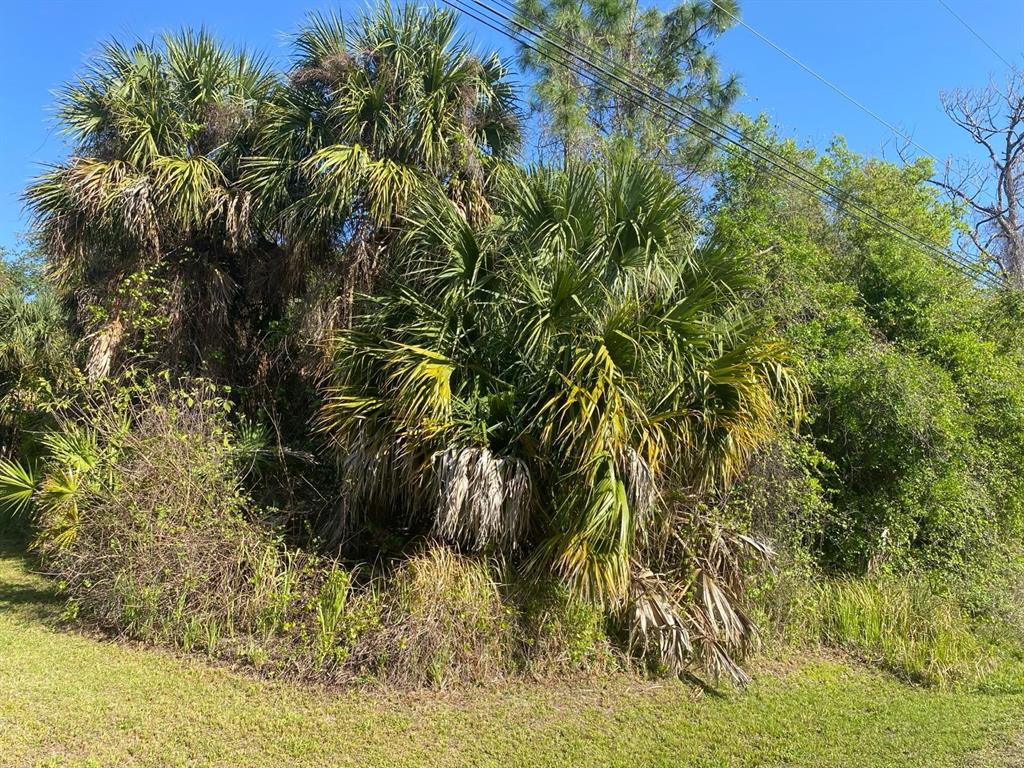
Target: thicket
[[139, 509], [916, 417], [904, 475], [321, 380]]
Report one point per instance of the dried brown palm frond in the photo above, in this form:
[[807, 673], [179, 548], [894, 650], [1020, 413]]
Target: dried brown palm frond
[[382, 479], [723, 633], [482, 499], [330, 73], [655, 618], [641, 484], [103, 349], [236, 212], [140, 215], [221, 122], [702, 588]]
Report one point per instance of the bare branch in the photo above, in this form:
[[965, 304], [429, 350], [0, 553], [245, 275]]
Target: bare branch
[[994, 196]]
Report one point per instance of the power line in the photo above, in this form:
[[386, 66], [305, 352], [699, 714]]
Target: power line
[[807, 180], [860, 105], [836, 196], [973, 31], [977, 187]]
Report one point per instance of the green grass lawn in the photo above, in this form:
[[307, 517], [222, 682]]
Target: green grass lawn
[[68, 699]]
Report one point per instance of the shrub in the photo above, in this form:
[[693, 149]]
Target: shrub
[[916, 372], [139, 510], [561, 632], [142, 516], [444, 618], [993, 592]]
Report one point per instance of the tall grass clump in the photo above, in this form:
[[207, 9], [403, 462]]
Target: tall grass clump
[[561, 632], [442, 620], [902, 625]]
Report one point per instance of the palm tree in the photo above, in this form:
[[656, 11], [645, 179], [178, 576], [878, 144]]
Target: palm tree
[[375, 109], [145, 224], [538, 383]]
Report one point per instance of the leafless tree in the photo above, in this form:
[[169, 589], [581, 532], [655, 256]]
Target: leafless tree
[[992, 190]]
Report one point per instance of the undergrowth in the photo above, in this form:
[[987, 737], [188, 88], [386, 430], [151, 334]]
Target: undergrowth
[[140, 511], [904, 624], [901, 625]]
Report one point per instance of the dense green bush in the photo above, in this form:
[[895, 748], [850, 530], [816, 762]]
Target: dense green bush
[[138, 509], [917, 389], [906, 472]]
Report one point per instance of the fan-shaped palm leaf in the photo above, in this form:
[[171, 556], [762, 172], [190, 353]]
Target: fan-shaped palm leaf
[[578, 336]]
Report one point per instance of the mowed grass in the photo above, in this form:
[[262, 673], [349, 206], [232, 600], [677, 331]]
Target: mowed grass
[[68, 699]]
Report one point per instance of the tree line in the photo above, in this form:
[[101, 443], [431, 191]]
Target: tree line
[[387, 300]]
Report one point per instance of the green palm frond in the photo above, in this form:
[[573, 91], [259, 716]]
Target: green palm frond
[[18, 486], [74, 447], [577, 335], [59, 499], [188, 188]]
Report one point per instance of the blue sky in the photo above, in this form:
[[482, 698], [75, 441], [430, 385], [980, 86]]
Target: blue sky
[[894, 56]]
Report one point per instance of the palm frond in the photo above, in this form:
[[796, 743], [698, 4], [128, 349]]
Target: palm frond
[[482, 499], [18, 486]]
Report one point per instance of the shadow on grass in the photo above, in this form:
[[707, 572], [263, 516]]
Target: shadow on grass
[[30, 603], [21, 592], [705, 689], [13, 546]]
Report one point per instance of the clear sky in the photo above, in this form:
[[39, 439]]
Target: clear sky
[[894, 56]]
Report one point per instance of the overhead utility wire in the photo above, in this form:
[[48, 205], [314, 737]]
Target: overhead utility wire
[[806, 178], [833, 190], [835, 194], [971, 29], [867, 110], [860, 105]]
